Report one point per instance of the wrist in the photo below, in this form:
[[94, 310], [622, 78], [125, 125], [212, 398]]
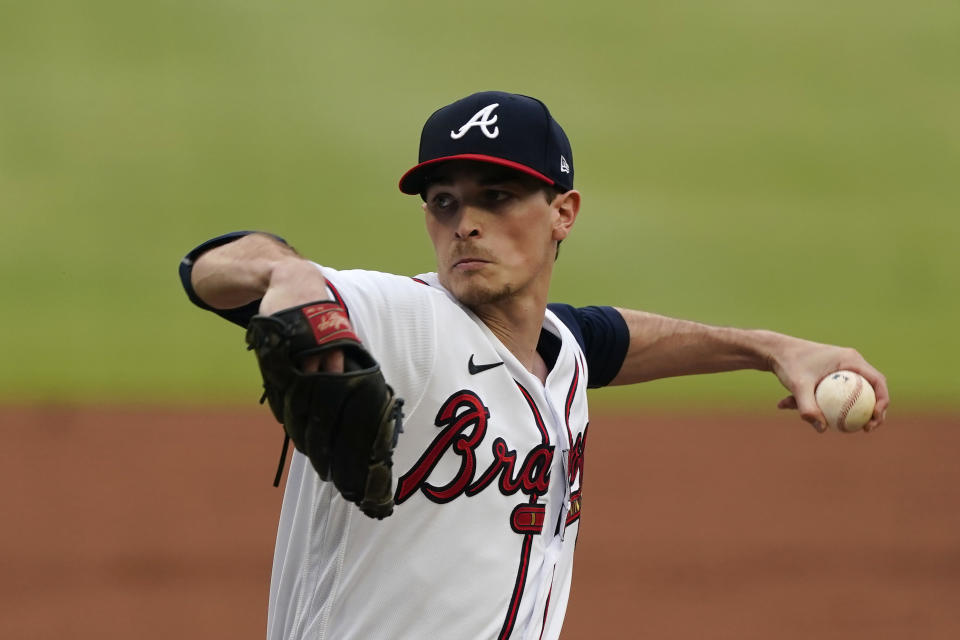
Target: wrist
[[287, 272], [770, 349], [747, 348], [290, 282]]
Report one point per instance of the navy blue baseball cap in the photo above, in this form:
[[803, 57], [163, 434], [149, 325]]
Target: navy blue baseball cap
[[506, 129]]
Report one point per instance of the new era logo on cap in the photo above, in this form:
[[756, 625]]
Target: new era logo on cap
[[507, 129]]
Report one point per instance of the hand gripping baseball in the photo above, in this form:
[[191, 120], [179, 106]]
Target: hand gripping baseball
[[346, 422]]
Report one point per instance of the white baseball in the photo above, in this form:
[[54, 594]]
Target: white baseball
[[846, 400]]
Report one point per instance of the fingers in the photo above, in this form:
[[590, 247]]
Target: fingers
[[801, 370], [813, 417], [311, 364], [787, 403], [333, 362], [807, 406], [878, 418], [328, 362], [879, 383]]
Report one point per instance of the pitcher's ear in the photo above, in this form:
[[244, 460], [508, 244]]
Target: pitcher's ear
[[567, 206]]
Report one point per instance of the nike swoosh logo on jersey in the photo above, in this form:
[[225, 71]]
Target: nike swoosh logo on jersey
[[477, 368]]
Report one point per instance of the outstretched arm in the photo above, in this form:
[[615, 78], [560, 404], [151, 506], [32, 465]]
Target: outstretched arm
[[662, 347]]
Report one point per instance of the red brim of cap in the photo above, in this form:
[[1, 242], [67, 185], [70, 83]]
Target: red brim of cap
[[412, 181]]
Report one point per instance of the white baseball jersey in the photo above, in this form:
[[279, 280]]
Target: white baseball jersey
[[487, 474]]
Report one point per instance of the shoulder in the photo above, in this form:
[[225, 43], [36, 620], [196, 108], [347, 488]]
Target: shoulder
[[390, 282], [602, 335], [375, 290], [374, 298]]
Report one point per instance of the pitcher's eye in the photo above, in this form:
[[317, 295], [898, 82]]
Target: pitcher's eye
[[497, 195], [441, 202]]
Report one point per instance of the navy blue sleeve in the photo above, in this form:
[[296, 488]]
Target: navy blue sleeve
[[603, 335], [240, 315]]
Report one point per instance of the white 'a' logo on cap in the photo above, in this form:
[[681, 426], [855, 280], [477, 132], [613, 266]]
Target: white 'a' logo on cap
[[482, 119], [564, 167]]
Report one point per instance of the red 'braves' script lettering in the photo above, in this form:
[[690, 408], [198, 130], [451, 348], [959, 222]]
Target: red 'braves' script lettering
[[462, 411], [463, 422], [575, 466], [533, 477]]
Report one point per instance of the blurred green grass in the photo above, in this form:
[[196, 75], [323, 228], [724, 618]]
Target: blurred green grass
[[786, 165]]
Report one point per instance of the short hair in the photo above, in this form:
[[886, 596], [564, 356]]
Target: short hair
[[551, 191]]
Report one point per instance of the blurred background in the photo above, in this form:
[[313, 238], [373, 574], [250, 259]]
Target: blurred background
[[756, 163], [752, 163]]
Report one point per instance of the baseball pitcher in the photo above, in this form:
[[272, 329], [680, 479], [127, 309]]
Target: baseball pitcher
[[440, 422]]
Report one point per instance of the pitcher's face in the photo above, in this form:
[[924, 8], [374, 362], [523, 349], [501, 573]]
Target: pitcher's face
[[493, 231]]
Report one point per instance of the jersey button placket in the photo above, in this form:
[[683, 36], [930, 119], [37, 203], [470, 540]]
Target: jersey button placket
[[558, 430]]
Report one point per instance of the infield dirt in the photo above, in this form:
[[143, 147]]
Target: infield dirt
[[158, 523]]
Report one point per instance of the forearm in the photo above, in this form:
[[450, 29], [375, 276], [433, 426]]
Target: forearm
[[662, 347], [241, 271]]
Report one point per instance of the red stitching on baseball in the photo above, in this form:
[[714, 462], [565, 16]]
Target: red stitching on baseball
[[851, 400]]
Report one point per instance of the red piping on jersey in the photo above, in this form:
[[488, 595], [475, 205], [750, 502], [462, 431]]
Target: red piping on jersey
[[546, 608], [338, 297], [518, 586], [575, 498], [536, 413], [570, 395]]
